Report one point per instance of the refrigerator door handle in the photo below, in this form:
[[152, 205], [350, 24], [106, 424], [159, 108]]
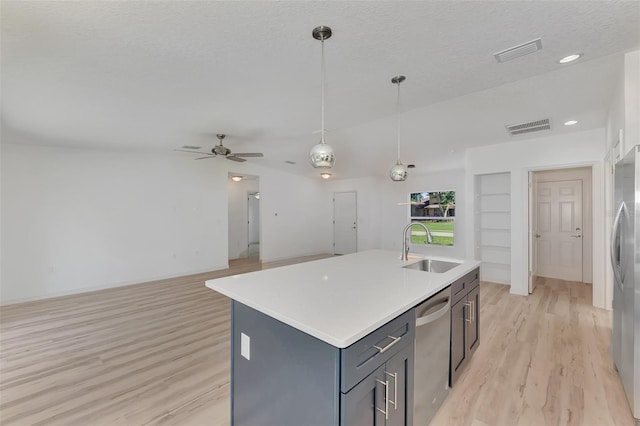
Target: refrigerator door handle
[[615, 262]]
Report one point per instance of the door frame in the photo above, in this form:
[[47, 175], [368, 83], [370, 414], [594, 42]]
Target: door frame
[[333, 212], [252, 193], [597, 226]]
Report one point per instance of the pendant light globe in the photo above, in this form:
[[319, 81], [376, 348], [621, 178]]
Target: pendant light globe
[[399, 172], [322, 155]]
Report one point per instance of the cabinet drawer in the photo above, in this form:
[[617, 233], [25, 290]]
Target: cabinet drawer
[[464, 285], [364, 356]]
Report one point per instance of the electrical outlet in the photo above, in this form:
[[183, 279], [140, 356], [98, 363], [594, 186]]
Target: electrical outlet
[[245, 346]]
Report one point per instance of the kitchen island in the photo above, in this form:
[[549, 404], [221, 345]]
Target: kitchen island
[[313, 342]]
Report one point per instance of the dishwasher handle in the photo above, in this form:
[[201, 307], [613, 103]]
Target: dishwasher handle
[[429, 318]]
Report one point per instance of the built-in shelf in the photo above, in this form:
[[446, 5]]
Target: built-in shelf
[[505, 264], [489, 246], [495, 194], [493, 226], [495, 229]]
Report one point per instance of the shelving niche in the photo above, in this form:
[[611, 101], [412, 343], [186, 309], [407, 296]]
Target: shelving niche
[[493, 226]]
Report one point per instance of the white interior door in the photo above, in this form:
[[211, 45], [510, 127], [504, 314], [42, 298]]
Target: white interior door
[[345, 232], [558, 236], [253, 224]]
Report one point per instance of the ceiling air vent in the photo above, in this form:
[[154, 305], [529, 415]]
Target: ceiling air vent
[[519, 50], [190, 147], [532, 126]]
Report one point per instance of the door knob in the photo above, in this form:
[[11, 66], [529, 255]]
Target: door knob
[[576, 236], [538, 235]]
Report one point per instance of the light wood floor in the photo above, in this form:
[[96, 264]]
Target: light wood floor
[[158, 353], [542, 360]]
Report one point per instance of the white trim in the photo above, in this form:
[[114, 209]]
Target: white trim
[[113, 285], [597, 227]]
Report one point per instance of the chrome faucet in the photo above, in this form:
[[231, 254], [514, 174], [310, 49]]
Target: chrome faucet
[[405, 244]]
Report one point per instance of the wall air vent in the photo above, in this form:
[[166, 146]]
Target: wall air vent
[[532, 126], [518, 51], [190, 147]]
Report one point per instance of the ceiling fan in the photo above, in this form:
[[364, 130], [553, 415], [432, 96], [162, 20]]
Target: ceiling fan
[[224, 151]]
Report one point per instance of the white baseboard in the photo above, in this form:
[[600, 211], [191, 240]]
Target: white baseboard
[[109, 285]]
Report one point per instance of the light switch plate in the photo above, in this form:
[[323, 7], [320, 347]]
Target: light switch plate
[[245, 346]]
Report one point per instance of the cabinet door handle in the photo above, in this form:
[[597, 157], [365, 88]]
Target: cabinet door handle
[[386, 399], [467, 317], [395, 389], [386, 348], [473, 310]]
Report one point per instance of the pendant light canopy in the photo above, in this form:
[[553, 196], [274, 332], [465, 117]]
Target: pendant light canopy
[[322, 155], [399, 172]]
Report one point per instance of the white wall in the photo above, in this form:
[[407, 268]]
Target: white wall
[[295, 216], [381, 219], [395, 217], [238, 209], [368, 199], [518, 158], [631, 99], [78, 219]]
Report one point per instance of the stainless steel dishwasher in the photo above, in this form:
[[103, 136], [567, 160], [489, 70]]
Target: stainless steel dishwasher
[[431, 370]]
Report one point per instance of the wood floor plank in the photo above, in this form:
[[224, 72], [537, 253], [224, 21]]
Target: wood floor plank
[[543, 360], [159, 354]]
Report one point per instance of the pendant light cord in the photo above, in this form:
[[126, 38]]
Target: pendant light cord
[[322, 84], [398, 120]]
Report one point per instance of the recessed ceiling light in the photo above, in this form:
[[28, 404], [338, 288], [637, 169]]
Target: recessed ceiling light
[[570, 122], [236, 178], [411, 166], [570, 58], [325, 175]]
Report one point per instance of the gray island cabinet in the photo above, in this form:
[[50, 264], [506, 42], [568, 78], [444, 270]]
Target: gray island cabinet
[[287, 377], [332, 342]]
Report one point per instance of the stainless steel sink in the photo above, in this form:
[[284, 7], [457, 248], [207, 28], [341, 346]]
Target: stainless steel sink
[[432, 265]]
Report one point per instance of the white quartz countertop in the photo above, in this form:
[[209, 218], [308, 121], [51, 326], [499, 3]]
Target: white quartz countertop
[[341, 299]]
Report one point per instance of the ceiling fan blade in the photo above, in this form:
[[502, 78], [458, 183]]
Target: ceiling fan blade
[[234, 158], [193, 152], [202, 158], [248, 154]]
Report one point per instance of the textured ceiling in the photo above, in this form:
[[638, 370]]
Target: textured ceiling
[[158, 75]]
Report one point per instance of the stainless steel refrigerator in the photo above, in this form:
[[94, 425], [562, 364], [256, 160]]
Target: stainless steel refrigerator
[[625, 259]]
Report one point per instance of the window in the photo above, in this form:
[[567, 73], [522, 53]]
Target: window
[[437, 210]]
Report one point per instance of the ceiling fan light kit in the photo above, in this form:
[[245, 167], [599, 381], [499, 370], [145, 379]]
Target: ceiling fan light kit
[[322, 155], [399, 171]]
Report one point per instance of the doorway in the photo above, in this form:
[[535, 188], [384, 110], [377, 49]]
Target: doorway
[[243, 217], [345, 223], [560, 225]]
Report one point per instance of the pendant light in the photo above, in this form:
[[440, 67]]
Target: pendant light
[[398, 172], [322, 155]]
